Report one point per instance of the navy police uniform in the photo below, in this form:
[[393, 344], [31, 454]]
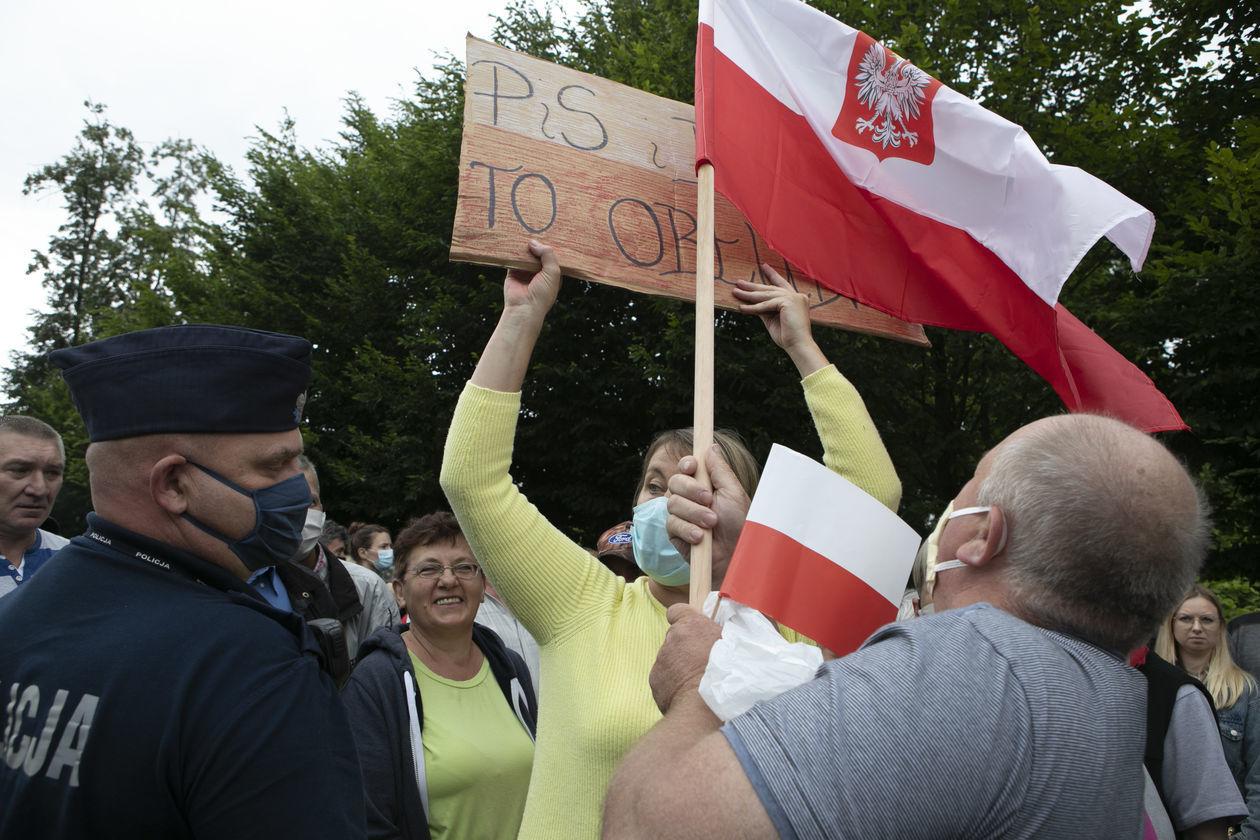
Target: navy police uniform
[[151, 704], [148, 692]]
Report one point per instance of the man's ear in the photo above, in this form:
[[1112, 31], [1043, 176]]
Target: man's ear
[[988, 541], [168, 484], [396, 586]]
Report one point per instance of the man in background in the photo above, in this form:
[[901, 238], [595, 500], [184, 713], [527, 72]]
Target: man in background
[[32, 464], [334, 538], [318, 584]]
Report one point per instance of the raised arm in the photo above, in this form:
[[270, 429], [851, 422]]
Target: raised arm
[[520, 550], [851, 445], [527, 297], [785, 312]]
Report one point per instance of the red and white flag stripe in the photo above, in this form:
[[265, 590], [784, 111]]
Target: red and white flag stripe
[[819, 555], [894, 190]]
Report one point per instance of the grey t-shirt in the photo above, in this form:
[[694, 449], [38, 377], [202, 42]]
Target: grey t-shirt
[[971, 723], [1198, 785]]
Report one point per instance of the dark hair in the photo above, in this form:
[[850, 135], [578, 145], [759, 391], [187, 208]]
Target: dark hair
[[361, 537], [333, 532], [440, 526]]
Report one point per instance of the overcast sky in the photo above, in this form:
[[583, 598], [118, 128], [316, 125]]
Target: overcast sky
[[207, 72]]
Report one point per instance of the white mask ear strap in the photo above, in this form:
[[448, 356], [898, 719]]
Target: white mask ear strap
[[973, 510], [949, 564]]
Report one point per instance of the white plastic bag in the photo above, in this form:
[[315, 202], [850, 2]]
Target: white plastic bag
[[751, 661]]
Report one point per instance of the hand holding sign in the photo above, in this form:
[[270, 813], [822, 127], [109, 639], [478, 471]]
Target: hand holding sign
[[785, 313], [534, 292], [606, 174]]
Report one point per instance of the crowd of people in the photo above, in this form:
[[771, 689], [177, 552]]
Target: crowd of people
[[225, 660]]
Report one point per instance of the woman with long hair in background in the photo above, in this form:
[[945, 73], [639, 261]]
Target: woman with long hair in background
[[1194, 638]]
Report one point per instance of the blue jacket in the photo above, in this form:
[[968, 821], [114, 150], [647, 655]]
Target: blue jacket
[[383, 704], [1240, 735], [150, 693]]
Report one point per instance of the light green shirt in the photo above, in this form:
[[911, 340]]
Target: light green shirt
[[477, 757]]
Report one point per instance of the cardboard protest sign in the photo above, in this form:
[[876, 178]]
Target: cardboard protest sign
[[605, 173]]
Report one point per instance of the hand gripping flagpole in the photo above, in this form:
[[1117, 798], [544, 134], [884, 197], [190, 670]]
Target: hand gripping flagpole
[[702, 417]]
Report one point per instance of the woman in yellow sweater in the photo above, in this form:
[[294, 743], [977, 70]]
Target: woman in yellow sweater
[[597, 634]]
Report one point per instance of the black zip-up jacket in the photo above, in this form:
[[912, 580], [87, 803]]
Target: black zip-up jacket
[[376, 698]]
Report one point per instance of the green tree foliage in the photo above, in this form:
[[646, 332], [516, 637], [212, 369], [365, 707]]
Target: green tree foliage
[[1211, 275], [348, 246], [1133, 94], [110, 268], [349, 249], [86, 268], [1239, 595]]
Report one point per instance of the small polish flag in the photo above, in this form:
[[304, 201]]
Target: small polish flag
[[819, 555]]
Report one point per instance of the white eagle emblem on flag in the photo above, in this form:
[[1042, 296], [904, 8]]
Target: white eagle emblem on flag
[[894, 93]]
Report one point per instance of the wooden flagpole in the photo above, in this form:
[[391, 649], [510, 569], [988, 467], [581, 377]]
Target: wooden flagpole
[[702, 418]]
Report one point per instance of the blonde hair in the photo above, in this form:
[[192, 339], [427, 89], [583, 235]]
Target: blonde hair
[[923, 572], [734, 450], [1225, 680]]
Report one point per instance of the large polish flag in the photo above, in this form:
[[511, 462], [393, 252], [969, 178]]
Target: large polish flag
[[891, 189], [819, 555]]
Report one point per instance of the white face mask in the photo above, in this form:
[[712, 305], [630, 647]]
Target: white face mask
[[311, 532]]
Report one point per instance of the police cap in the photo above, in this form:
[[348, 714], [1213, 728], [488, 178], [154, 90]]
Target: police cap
[[190, 378]]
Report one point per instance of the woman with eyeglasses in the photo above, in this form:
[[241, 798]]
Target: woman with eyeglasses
[[1194, 638], [442, 712]]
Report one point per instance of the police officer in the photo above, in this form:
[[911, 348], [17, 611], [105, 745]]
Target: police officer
[[147, 690]]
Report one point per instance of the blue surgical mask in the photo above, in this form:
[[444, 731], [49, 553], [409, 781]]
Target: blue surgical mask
[[653, 552], [384, 560], [279, 514]]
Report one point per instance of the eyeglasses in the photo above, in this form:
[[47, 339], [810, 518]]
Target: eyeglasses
[[433, 571], [1188, 620]]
